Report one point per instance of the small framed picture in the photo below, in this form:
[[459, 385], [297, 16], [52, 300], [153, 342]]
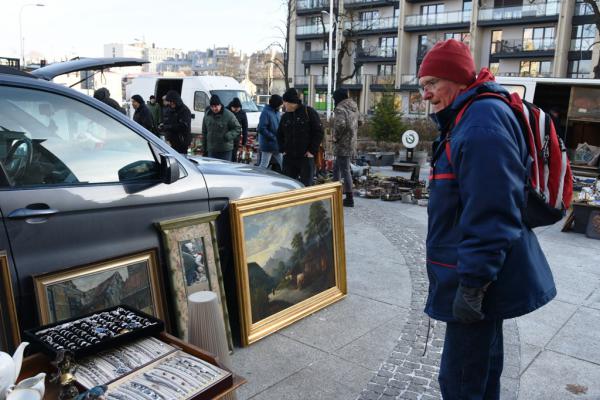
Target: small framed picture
[[193, 262], [10, 334], [132, 280], [289, 256]]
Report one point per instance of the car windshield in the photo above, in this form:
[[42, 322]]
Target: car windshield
[[227, 95]]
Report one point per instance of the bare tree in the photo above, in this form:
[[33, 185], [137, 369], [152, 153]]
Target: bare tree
[[281, 60], [594, 5]]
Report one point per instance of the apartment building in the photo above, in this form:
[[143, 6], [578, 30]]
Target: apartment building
[[386, 40]]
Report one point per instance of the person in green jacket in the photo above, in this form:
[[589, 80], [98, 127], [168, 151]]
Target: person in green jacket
[[155, 112], [220, 128]]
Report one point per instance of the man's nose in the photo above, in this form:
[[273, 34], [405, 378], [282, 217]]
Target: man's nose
[[427, 95]]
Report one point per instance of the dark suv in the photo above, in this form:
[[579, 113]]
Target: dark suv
[[80, 182]]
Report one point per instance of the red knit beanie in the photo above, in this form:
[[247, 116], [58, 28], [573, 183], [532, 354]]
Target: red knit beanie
[[449, 60]]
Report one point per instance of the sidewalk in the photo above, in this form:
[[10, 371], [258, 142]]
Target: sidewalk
[[370, 345]]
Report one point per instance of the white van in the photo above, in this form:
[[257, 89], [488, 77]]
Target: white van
[[195, 92]]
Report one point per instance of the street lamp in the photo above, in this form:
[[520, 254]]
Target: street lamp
[[329, 54], [22, 40]]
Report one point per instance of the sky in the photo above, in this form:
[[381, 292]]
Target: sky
[[64, 29]]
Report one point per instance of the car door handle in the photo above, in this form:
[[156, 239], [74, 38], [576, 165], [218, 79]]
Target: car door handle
[[32, 211]]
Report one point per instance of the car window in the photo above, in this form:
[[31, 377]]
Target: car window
[[200, 101], [49, 139], [227, 95]]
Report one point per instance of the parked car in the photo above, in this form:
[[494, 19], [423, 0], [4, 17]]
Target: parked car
[[80, 182]]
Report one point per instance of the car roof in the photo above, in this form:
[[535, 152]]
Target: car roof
[[13, 71]]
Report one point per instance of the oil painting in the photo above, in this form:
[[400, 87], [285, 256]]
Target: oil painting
[[289, 256]]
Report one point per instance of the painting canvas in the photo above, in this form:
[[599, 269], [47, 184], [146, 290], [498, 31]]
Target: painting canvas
[[193, 261], [10, 335], [289, 256], [131, 280]]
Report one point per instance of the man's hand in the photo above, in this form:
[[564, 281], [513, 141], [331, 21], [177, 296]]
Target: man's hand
[[467, 304], [308, 154]]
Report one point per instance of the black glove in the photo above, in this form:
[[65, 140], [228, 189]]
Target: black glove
[[467, 304]]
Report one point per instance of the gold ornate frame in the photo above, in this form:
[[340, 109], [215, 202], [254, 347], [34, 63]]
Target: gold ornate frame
[[187, 228], [251, 332], [8, 309], [42, 282]]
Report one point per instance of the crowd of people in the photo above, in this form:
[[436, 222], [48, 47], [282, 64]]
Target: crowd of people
[[289, 141]]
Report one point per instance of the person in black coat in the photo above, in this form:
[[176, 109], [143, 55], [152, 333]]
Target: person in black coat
[[178, 126], [103, 95], [235, 106], [299, 135], [142, 114]]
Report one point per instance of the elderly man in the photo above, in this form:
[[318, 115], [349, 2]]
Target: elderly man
[[484, 264], [220, 128]]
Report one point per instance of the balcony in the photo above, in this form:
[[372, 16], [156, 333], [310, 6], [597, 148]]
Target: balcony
[[526, 74], [372, 26], [522, 48], [315, 57], [438, 21], [582, 44], [375, 54], [409, 82], [315, 31], [381, 82], [530, 13], [353, 83], [304, 7], [357, 4]]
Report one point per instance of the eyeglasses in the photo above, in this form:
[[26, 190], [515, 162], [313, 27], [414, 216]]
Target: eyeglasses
[[429, 85]]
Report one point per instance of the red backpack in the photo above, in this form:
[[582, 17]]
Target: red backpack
[[549, 189]]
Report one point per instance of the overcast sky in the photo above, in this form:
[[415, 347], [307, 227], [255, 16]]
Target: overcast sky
[[67, 28]]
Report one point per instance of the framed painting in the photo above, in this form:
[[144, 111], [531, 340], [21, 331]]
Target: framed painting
[[10, 335], [193, 262], [289, 256], [132, 280]]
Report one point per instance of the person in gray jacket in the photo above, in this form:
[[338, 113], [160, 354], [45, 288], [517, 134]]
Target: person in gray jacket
[[345, 129], [220, 128]]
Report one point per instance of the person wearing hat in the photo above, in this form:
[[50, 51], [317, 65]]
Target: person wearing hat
[[484, 264], [299, 135], [235, 106], [345, 130], [268, 124], [142, 114], [178, 124], [103, 94], [155, 111], [220, 128]]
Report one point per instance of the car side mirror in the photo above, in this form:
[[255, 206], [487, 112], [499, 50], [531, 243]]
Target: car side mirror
[[169, 169]]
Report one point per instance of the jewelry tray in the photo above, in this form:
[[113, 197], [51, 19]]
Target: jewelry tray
[[163, 372], [152, 326]]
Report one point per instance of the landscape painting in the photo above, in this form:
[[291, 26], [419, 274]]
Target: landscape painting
[[289, 256]]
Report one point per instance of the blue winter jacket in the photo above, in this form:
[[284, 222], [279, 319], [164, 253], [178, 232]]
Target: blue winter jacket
[[476, 234], [268, 124]]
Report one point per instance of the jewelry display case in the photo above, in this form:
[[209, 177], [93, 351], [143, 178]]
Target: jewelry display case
[[214, 381]]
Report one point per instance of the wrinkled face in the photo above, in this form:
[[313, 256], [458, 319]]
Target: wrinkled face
[[440, 92], [216, 108]]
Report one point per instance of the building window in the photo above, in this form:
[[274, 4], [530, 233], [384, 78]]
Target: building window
[[422, 46], [386, 69], [432, 9], [324, 70], [580, 68], [460, 36], [316, 20], [496, 44], [535, 68], [369, 15], [467, 5], [388, 42], [582, 37], [307, 46], [582, 8], [306, 70], [416, 104], [396, 12], [538, 38]]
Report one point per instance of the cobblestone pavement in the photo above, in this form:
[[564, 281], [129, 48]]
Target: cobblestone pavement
[[411, 370]]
